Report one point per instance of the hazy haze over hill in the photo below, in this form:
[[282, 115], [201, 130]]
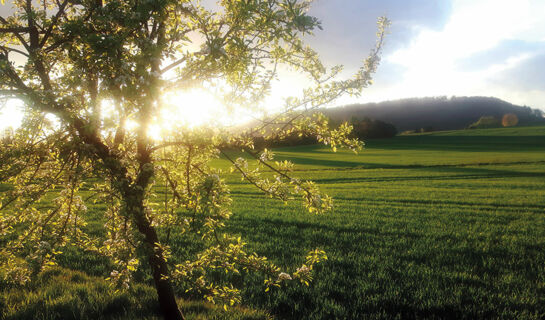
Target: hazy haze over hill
[[441, 113]]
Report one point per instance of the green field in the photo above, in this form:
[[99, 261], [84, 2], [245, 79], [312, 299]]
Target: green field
[[441, 225]]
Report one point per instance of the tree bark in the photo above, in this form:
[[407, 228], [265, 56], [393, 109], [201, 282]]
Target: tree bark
[[165, 292]]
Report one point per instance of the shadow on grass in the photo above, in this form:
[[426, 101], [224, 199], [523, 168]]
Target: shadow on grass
[[461, 143], [338, 162], [439, 172], [69, 295], [434, 173]]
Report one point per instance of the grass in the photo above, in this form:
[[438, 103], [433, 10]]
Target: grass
[[66, 294], [444, 225], [447, 225]]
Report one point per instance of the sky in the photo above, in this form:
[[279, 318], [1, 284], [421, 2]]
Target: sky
[[440, 47], [434, 48]]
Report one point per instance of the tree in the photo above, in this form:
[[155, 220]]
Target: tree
[[86, 69], [372, 129]]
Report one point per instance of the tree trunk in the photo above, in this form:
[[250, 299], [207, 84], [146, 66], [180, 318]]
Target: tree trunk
[[165, 292], [133, 196]]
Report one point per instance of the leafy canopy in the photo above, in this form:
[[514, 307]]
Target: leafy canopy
[[87, 68]]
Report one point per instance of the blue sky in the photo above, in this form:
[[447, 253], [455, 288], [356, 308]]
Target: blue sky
[[467, 47]]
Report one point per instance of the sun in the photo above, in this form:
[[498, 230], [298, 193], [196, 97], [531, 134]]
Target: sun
[[192, 108], [189, 109]]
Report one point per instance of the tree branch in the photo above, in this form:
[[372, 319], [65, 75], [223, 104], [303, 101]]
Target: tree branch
[[23, 42], [53, 23], [14, 30], [8, 49], [173, 65]]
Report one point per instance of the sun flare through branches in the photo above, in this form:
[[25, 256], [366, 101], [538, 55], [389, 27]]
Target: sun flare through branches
[[104, 122]]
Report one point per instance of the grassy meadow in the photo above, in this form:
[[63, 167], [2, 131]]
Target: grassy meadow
[[446, 225]]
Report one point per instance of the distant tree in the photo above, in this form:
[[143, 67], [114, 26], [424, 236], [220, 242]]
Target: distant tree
[[539, 114], [372, 129], [65, 59], [509, 120]]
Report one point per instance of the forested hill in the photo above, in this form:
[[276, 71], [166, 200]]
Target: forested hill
[[439, 113]]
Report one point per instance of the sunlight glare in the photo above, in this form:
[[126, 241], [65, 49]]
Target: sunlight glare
[[11, 114], [192, 109]]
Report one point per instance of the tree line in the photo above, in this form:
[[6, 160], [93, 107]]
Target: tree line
[[439, 113]]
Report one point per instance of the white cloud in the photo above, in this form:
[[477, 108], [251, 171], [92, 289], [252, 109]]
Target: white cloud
[[431, 59]]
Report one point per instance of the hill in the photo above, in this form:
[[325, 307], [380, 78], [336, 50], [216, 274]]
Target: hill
[[439, 113]]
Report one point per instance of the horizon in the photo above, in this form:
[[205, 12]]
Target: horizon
[[448, 97], [207, 121]]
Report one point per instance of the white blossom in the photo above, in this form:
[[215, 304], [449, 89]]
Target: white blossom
[[303, 269], [284, 276]]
